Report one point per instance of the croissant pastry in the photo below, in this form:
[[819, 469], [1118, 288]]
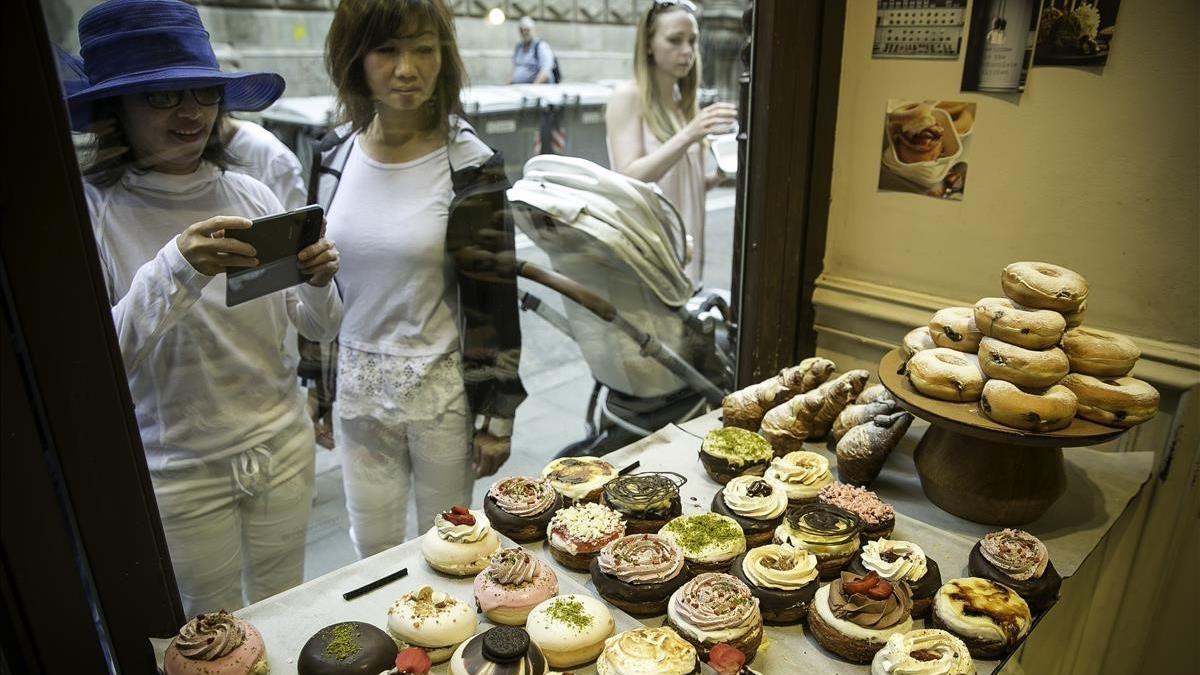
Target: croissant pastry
[[860, 413], [745, 408], [811, 414], [873, 393], [863, 450]]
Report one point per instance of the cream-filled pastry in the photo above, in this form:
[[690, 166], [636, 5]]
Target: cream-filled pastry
[[432, 620], [715, 608], [989, 617], [802, 473], [829, 533], [638, 573], [520, 507], [647, 651], [855, 616], [514, 583], [579, 479], [460, 542], [756, 504], [577, 533], [709, 541], [570, 629], [924, 651], [217, 643], [782, 577], [895, 560], [1020, 561]]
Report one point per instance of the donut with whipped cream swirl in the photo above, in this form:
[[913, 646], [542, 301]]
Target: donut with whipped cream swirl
[[460, 542], [521, 507], [1021, 562], [756, 504], [514, 582], [896, 560], [924, 651], [216, 642], [783, 578], [855, 616], [803, 473], [714, 608], [639, 572], [642, 651]]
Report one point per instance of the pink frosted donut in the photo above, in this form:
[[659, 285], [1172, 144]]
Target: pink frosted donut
[[217, 644], [513, 584]]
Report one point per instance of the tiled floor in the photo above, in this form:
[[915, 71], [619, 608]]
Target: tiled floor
[[558, 383]]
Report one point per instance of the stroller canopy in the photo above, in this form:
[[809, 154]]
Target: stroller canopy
[[631, 218]]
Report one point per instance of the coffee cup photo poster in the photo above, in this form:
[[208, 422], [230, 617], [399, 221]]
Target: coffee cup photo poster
[[1000, 45], [925, 146], [1075, 32]]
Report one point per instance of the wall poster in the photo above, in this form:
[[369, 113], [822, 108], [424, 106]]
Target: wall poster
[[1075, 32], [1000, 45], [928, 29], [925, 146]]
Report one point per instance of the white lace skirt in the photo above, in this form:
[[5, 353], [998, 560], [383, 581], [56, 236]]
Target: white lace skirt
[[398, 389]]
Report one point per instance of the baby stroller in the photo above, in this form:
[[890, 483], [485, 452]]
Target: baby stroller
[[617, 250]]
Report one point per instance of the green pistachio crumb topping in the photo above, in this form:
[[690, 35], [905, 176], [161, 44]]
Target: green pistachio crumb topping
[[343, 642], [569, 611], [737, 445], [694, 533]]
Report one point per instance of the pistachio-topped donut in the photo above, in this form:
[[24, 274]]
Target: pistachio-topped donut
[[1042, 285], [1099, 354], [1029, 328], [1032, 368], [954, 328]]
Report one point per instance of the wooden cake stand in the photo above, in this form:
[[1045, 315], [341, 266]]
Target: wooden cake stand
[[982, 470]]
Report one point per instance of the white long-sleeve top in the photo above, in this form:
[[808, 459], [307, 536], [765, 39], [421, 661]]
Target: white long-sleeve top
[[208, 381]]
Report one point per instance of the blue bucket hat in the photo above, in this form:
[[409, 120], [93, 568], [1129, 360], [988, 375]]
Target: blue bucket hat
[[135, 46]]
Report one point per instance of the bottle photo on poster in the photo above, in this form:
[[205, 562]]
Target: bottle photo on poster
[[1000, 45]]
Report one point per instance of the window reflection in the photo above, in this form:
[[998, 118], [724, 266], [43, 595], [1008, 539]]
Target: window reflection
[[407, 378]]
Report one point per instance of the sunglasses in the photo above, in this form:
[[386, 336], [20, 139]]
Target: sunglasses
[[165, 100]]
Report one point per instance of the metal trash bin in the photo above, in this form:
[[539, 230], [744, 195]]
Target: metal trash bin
[[300, 122], [506, 119], [582, 118]]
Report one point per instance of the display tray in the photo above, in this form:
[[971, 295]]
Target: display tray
[[289, 619], [969, 419]]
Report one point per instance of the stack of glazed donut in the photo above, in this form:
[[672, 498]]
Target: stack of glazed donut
[[1026, 358]]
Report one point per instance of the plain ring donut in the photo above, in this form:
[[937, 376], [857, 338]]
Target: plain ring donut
[[954, 328], [1076, 318], [917, 340], [1029, 328], [1008, 404], [1099, 354], [946, 374], [1044, 286], [1032, 368], [1120, 402]]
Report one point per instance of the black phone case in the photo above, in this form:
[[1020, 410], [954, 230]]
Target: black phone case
[[277, 240]]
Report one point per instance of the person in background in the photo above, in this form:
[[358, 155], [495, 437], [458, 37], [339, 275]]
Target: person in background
[[218, 405], [533, 60], [427, 381], [656, 131]]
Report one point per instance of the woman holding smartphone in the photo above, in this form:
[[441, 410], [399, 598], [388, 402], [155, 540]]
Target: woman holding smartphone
[[427, 382], [656, 132], [218, 405]]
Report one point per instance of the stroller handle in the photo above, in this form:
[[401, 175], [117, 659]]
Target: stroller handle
[[568, 287]]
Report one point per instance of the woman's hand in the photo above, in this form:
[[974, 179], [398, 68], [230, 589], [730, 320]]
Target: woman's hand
[[489, 453], [321, 261], [717, 118], [207, 249]]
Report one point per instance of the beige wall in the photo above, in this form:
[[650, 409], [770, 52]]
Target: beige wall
[[1096, 171]]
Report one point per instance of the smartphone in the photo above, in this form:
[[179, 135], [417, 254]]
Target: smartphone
[[277, 240]]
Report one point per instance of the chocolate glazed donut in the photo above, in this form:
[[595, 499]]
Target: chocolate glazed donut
[[637, 599], [779, 607], [1040, 592], [923, 589], [758, 532], [521, 529]]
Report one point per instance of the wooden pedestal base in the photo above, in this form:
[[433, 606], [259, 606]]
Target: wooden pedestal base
[[988, 482]]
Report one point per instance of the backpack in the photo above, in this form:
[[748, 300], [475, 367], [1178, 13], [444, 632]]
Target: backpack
[[555, 72]]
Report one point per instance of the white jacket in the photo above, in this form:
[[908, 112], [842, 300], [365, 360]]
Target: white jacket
[[628, 216]]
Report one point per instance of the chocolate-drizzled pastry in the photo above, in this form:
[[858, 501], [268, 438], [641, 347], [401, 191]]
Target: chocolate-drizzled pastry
[[521, 507], [989, 617], [895, 560], [503, 650], [639, 572], [646, 501], [347, 648], [756, 504], [1020, 561], [826, 531], [783, 578], [854, 616]]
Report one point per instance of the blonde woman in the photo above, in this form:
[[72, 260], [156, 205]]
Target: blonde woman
[[656, 131]]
